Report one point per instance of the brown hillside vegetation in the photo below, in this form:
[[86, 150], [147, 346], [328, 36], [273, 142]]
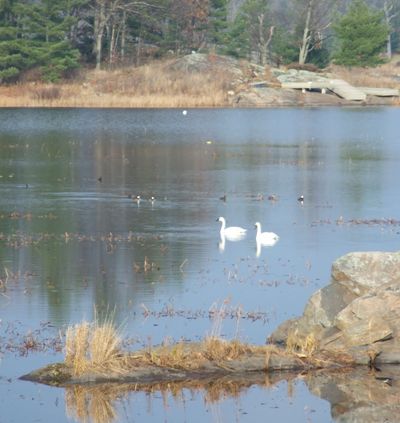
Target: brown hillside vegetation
[[193, 81], [196, 80]]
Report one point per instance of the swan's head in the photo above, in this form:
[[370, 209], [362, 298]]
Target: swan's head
[[221, 219], [257, 225]]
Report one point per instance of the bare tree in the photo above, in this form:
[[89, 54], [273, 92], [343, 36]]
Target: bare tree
[[391, 8], [100, 21], [316, 17], [110, 17]]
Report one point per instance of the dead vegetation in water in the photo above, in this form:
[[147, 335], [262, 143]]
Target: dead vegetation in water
[[340, 221], [14, 339], [20, 239], [229, 312]]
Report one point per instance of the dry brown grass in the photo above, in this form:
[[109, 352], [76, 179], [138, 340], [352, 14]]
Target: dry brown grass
[[383, 76], [191, 356], [303, 346], [93, 347], [155, 85]]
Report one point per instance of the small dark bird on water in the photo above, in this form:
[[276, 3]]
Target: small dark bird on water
[[100, 179], [301, 199], [223, 198]]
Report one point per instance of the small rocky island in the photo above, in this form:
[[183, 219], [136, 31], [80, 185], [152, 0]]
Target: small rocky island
[[352, 321]]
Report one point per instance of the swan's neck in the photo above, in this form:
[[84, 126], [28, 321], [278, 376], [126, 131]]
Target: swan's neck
[[258, 231], [223, 226]]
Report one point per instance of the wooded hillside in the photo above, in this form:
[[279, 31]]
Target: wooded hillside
[[50, 39]]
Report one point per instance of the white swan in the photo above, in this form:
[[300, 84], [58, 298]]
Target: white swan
[[267, 239], [232, 233]]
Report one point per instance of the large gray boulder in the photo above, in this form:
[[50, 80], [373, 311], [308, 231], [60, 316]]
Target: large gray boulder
[[357, 313]]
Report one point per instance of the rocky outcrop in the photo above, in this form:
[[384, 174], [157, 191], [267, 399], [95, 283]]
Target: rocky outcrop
[[357, 313], [279, 97], [279, 90]]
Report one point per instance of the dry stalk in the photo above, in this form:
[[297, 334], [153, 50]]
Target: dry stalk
[[301, 345]]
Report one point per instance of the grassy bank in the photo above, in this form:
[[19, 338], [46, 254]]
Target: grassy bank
[[192, 81], [156, 85]]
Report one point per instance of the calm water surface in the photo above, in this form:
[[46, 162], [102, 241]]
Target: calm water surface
[[72, 240]]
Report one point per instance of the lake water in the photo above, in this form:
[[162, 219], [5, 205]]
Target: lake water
[[72, 240]]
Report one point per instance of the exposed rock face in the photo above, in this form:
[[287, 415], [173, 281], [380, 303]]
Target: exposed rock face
[[207, 63], [357, 313], [278, 97]]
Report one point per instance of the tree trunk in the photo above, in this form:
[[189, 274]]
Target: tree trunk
[[388, 8], [305, 44], [112, 44], [261, 40], [99, 25], [389, 46], [123, 35]]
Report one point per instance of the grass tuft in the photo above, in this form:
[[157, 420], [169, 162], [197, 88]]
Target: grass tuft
[[301, 345], [93, 347]]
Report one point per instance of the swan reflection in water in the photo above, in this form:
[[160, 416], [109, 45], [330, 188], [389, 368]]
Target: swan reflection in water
[[260, 245], [231, 238]]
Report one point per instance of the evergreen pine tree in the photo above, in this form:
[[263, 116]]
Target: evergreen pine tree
[[362, 35], [35, 35], [218, 24]]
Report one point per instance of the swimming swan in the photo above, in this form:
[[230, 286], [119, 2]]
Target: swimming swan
[[232, 233], [267, 239]]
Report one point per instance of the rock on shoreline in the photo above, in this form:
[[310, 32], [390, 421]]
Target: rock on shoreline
[[357, 313]]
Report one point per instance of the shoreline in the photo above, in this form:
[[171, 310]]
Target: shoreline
[[248, 99]]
